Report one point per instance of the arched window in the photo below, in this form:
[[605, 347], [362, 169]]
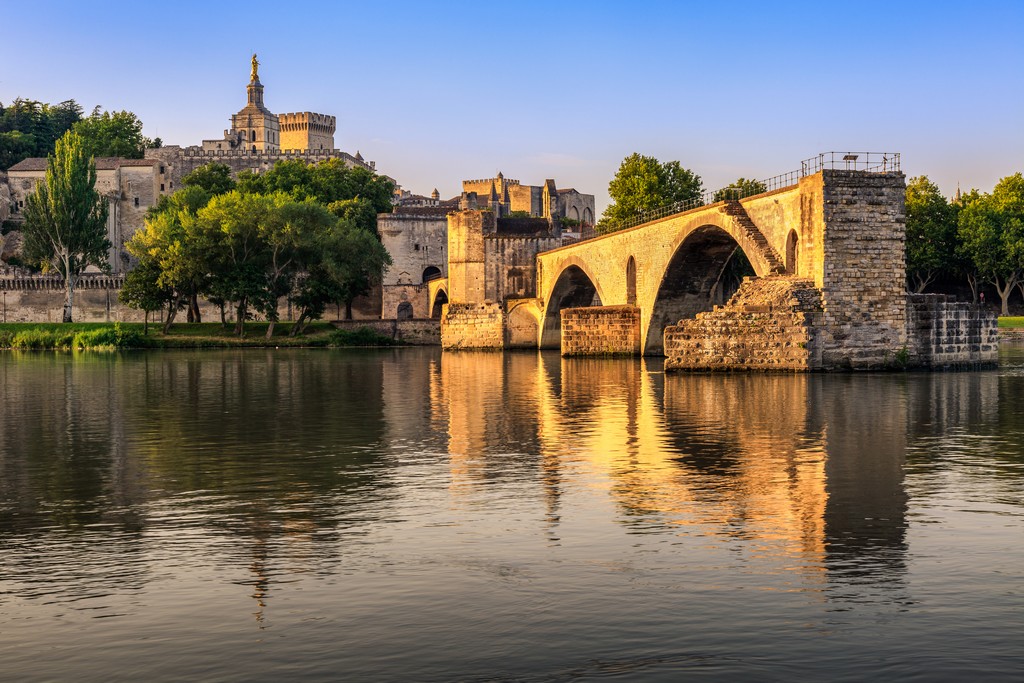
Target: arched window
[[588, 217], [631, 281], [431, 273], [792, 253], [404, 311], [574, 213]]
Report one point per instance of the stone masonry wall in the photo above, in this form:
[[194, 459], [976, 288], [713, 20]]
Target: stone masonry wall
[[769, 324], [510, 265], [946, 333], [40, 299], [473, 326], [864, 269], [601, 331], [415, 332]]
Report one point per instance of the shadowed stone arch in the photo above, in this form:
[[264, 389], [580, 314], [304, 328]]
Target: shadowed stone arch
[[440, 299], [793, 253], [706, 268], [631, 281], [437, 296], [574, 288], [523, 324]]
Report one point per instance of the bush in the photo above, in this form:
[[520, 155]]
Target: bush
[[36, 338], [115, 337], [363, 336]]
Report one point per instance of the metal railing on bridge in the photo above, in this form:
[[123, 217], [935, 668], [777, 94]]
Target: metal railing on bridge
[[871, 162]]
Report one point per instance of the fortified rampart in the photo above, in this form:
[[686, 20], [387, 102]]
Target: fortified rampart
[[40, 298], [181, 161]]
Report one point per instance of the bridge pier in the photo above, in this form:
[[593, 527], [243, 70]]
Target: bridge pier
[[601, 331]]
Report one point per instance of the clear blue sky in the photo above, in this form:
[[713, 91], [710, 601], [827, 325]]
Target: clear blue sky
[[437, 92]]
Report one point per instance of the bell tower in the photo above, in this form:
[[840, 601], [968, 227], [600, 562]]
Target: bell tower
[[256, 127]]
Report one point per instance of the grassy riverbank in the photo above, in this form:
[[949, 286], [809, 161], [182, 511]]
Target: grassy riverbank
[[181, 336], [1011, 322]]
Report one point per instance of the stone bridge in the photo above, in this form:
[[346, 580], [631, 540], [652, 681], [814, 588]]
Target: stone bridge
[[810, 276]]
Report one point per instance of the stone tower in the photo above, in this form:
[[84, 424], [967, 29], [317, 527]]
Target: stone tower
[[256, 126]]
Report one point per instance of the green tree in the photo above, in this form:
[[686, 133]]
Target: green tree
[[142, 289], [213, 177], [991, 229], [65, 218], [931, 233], [739, 189], [346, 261], [643, 183], [290, 233], [113, 134], [172, 247], [233, 227], [30, 129]]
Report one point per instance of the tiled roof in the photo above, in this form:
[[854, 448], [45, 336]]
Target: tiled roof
[[102, 163]]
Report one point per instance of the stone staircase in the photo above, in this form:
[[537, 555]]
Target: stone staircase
[[770, 323], [735, 210]]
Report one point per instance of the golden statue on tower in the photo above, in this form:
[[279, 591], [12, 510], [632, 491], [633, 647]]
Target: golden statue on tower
[[254, 76]]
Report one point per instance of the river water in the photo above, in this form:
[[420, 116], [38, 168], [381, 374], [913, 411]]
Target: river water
[[403, 515]]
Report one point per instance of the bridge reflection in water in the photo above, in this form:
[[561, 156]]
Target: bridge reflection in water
[[809, 469]]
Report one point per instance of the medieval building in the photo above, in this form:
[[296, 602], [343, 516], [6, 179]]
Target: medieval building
[[522, 219], [256, 140]]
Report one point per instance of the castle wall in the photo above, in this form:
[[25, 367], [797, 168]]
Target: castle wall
[[130, 186], [510, 265], [415, 332], [179, 161], [601, 331], [41, 299], [415, 242]]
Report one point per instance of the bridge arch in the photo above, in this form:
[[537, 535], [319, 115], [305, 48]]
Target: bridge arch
[[704, 270], [574, 287], [437, 296]]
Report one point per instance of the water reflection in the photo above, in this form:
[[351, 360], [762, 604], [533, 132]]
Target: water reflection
[[249, 473]]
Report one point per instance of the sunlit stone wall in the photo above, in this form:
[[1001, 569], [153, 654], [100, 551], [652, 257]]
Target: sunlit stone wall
[[601, 330]]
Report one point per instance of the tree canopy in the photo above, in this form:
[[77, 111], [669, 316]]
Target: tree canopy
[[214, 178], [931, 233], [31, 129], [739, 189], [114, 134], [65, 218], [303, 232], [328, 182], [991, 230], [643, 183]]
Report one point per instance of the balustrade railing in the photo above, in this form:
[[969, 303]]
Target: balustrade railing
[[870, 162]]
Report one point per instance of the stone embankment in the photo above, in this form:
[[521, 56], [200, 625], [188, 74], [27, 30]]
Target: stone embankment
[[945, 333]]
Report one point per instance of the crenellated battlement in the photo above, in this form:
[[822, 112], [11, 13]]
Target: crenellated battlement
[[307, 121]]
